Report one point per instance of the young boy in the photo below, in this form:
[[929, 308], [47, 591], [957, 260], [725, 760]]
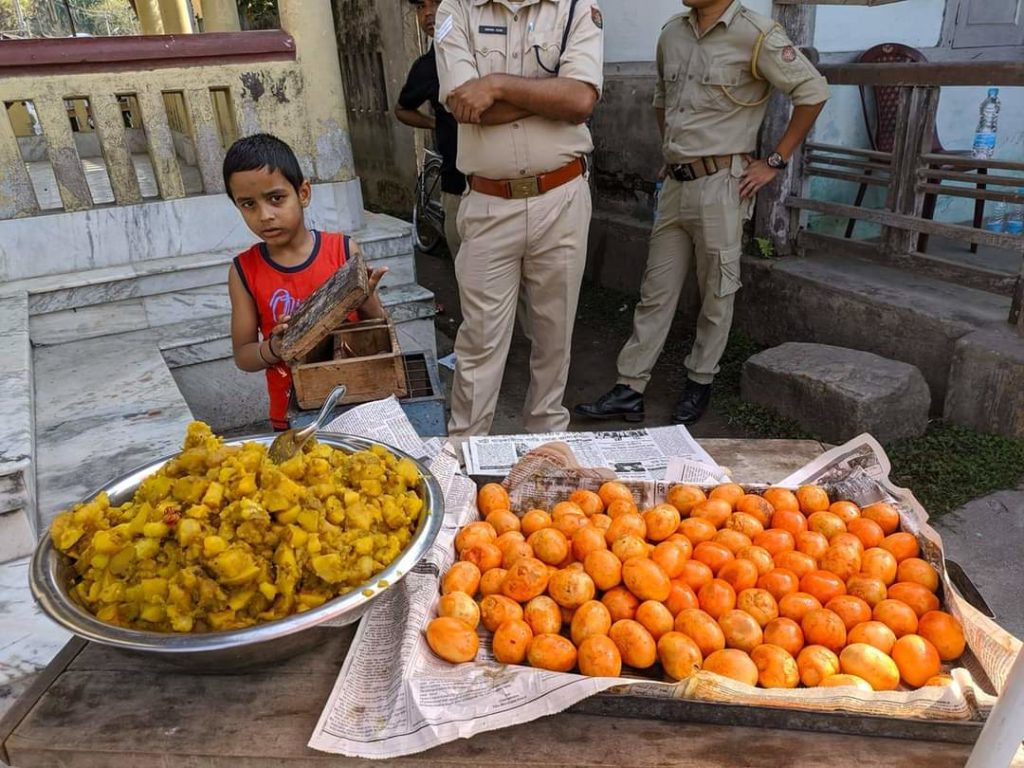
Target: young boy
[[268, 282]]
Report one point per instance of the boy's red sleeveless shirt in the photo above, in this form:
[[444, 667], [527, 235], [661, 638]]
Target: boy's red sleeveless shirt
[[278, 291]]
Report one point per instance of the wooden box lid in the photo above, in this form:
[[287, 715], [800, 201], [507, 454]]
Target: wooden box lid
[[325, 310]]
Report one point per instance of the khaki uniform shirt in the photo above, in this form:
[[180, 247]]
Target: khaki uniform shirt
[[697, 75], [475, 38]]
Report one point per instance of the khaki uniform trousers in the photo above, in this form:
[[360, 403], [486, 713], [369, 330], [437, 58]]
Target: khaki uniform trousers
[[540, 243], [450, 203], [699, 229]]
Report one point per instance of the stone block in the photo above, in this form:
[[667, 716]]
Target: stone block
[[838, 393], [986, 382]]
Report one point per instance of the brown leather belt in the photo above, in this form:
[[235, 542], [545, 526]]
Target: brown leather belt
[[531, 186], [705, 166]]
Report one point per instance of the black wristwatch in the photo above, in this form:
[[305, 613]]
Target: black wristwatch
[[776, 161]]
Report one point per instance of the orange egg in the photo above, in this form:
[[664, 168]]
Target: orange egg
[[824, 585], [503, 521], [461, 577], [564, 508], [868, 531], [452, 640], [823, 627], [918, 571], [868, 588], [715, 511], [635, 643], [797, 562], [491, 497], [712, 554], [884, 514], [604, 568], [661, 521], [776, 668], [620, 507], [512, 551], [732, 540], [812, 498], [741, 630], [901, 545], [601, 522], [786, 634], [685, 498], [944, 632], [733, 664], [682, 541], [716, 598], [879, 563], [511, 641], [782, 498], [775, 540], [896, 615], [873, 633], [740, 574], [621, 603], [490, 582], [483, 556], [459, 605], [628, 546], [917, 596], [571, 588], [815, 663], [757, 507], [535, 520], [812, 543], [697, 530], [779, 583], [728, 492], [846, 510], [796, 605], [702, 629], [671, 556], [679, 655], [552, 652], [789, 520], [612, 490], [680, 597], [844, 562], [759, 556], [655, 618], [849, 541], [745, 523], [543, 615], [852, 610], [588, 501], [587, 540], [759, 603], [549, 545], [645, 579], [696, 574], [526, 579], [591, 618], [629, 524], [569, 524], [870, 664], [495, 609], [598, 656], [828, 524], [843, 680], [475, 533]]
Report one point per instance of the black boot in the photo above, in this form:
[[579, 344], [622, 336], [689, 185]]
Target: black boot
[[692, 404], [621, 403]]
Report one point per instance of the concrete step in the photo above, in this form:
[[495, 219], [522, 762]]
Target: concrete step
[[858, 304]]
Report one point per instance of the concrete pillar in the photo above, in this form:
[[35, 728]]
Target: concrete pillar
[[149, 17], [311, 23], [220, 16], [177, 17]]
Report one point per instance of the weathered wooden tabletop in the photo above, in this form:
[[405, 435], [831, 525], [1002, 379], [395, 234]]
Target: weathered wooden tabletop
[[98, 708]]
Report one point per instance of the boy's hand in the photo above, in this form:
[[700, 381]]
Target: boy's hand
[[276, 334], [374, 277]]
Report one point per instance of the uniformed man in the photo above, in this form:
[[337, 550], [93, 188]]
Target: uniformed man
[[521, 77], [716, 67]]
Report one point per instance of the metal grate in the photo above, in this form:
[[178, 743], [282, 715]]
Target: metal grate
[[417, 376]]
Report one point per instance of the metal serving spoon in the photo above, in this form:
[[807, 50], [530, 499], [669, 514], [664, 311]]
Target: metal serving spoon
[[290, 442]]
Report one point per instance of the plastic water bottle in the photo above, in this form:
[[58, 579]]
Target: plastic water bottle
[[997, 222], [1015, 218], [988, 122]]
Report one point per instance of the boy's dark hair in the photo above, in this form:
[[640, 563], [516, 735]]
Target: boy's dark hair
[[261, 150]]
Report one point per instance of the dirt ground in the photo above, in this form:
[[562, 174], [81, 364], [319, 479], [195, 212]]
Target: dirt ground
[[600, 332]]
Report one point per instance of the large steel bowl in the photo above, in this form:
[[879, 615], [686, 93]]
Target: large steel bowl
[[234, 650]]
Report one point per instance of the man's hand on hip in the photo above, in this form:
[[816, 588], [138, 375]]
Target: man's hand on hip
[[470, 100], [755, 176]]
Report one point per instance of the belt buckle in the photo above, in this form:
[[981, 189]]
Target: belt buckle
[[520, 189], [684, 172]]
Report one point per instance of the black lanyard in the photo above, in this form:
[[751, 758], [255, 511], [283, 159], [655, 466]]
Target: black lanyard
[[565, 42]]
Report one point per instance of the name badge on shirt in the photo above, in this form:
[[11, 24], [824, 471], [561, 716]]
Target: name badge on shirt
[[489, 30]]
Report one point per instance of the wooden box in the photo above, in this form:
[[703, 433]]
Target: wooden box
[[363, 356]]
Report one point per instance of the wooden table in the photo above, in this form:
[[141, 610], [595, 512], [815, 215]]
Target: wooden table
[[98, 708]]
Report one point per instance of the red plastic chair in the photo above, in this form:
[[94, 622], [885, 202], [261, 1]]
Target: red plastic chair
[[880, 119]]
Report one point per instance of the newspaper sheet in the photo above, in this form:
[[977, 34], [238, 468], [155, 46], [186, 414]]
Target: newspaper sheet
[[393, 697], [632, 454], [384, 421]]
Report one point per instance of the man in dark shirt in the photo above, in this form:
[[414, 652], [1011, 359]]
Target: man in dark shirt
[[422, 86]]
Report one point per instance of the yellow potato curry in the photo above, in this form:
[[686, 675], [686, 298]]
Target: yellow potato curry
[[221, 538]]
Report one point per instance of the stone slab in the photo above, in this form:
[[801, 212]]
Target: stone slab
[[17, 534], [986, 537], [986, 382], [69, 325], [861, 305], [837, 393], [17, 427], [223, 396]]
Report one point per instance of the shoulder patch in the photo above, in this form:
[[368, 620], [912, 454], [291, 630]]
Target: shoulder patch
[[596, 17], [444, 29], [789, 54]]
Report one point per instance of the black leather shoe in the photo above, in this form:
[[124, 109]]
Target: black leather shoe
[[621, 403], [692, 404]]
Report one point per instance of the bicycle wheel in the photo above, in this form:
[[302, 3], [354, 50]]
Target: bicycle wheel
[[426, 225]]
